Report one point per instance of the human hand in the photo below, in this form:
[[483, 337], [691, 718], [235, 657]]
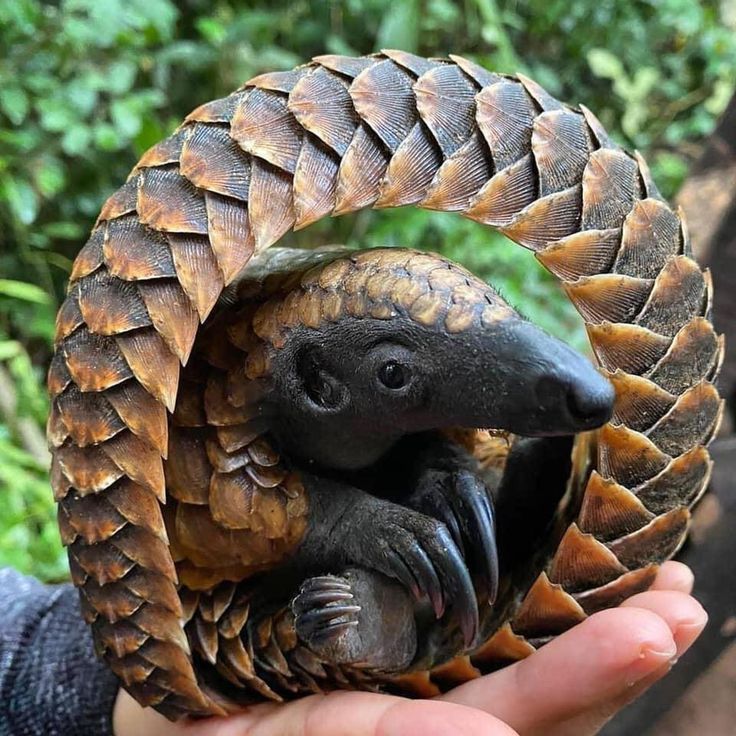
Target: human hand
[[570, 687]]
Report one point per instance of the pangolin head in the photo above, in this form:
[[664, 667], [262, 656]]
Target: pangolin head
[[374, 345]]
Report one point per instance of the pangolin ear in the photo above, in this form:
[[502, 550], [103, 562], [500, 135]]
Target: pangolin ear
[[320, 385]]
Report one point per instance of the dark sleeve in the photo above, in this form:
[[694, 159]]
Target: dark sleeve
[[51, 683]]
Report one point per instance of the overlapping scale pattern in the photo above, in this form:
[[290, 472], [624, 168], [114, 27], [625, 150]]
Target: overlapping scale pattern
[[334, 136]]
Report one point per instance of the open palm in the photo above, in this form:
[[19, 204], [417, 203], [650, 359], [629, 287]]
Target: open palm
[[570, 687]]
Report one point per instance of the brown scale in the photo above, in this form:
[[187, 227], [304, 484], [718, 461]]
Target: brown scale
[[384, 277], [334, 136]]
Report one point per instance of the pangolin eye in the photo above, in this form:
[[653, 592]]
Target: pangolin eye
[[393, 375]]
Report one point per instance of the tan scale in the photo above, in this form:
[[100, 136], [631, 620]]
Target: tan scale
[[130, 426]]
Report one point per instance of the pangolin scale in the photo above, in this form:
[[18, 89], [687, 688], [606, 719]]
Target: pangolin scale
[[334, 136]]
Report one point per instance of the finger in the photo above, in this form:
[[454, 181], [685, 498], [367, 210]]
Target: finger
[[366, 713], [130, 719], [674, 576], [595, 662], [362, 714], [682, 613], [686, 619], [413, 718], [591, 721]]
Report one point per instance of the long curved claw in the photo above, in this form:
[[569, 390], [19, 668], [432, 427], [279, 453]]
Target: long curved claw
[[403, 573], [477, 522], [461, 501], [323, 597], [417, 550], [426, 581], [437, 505], [421, 553], [325, 582], [324, 619], [319, 616], [458, 587]]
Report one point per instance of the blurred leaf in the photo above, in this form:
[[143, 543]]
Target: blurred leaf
[[106, 137], [400, 27], [14, 103], [64, 230], [55, 114], [604, 64], [670, 168], [719, 99], [212, 29], [22, 290], [9, 349], [120, 76], [21, 199], [76, 140], [49, 176], [81, 97], [125, 117]]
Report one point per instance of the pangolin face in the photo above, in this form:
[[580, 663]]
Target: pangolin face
[[387, 343]]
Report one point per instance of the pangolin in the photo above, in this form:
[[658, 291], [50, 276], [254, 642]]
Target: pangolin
[[273, 468]]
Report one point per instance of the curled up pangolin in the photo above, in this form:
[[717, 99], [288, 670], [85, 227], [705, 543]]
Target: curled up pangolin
[[269, 468]]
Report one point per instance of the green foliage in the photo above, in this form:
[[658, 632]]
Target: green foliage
[[29, 539], [87, 85]]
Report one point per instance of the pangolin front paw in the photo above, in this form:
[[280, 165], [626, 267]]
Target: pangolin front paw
[[324, 610], [359, 617], [461, 500], [418, 551]]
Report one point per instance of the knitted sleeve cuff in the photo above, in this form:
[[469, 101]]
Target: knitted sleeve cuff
[[51, 682]]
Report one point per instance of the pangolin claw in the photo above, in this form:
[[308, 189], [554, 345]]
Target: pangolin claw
[[322, 609]]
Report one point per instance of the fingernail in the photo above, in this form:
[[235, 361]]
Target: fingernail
[[664, 654], [689, 627], [650, 659], [693, 623], [658, 653], [687, 632]]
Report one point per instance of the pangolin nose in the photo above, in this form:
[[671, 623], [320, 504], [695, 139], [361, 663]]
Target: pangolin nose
[[590, 402]]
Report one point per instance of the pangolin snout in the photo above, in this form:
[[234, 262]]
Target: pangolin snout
[[574, 392], [552, 389], [590, 402]]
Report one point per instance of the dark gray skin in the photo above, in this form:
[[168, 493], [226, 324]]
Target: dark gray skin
[[358, 403], [333, 409], [390, 630]]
